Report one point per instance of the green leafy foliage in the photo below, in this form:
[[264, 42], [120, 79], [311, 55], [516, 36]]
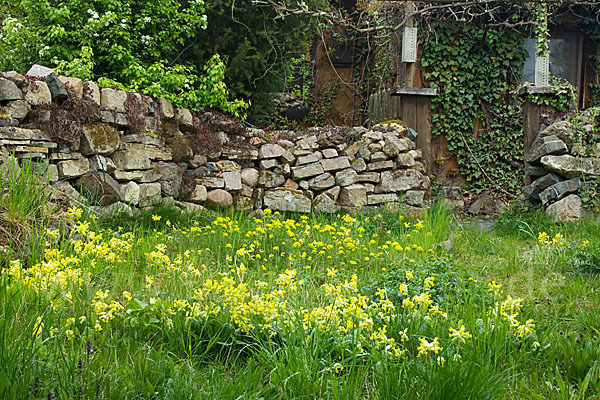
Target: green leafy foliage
[[129, 45], [475, 70]]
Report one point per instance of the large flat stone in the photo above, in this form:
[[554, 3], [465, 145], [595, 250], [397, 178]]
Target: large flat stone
[[9, 91], [100, 139], [132, 159], [560, 190], [14, 133], [101, 187], [570, 166], [282, 199], [37, 94], [73, 168], [569, 209], [113, 99], [401, 180], [336, 163], [149, 194], [561, 129], [353, 196], [543, 146], [307, 171], [539, 185]]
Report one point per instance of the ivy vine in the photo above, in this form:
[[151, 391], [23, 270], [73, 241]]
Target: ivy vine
[[475, 70]]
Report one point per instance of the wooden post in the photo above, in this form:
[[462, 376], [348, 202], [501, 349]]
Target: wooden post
[[416, 114], [532, 114]]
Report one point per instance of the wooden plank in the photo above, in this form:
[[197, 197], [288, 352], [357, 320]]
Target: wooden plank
[[410, 112], [415, 91], [424, 129], [531, 126]]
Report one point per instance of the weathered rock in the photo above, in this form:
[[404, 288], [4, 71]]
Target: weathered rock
[[113, 99], [353, 196], [130, 193], [98, 163], [373, 135], [149, 194], [199, 194], [533, 191], [14, 77], [543, 146], [65, 193], [243, 203], [246, 191], [99, 138], [307, 159], [269, 163], [569, 209], [184, 118], [211, 182], [405, 160], [288, 157], [394, 146], [198, 161], [308, 143], [189, 208], [75, 84], [39, 71], [9, 91], [219, 198], [113, 209], [416, 154], [414, 198], [378, 156], [149, 176], [228, 166], [321, 182], [17, 109], [233, 180], [270, 150], [73, 168], [270, 179], [560, 190], [380, 166], [131, 159], [124, 176], [334, 192], [166, 108], [561, 129], [329, 153], [287, 200], [38, 94], [91, 91], [346, 177], [374, 199], [373, 177], [307, 171], [570, 166], [325, 203], [171, 179], [100, 186], [250, 177], [181, 148], [401, 180], [359, 165], [535, 170], [58, 91], [335, 164]]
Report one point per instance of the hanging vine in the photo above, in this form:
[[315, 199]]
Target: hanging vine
[[475, 70]]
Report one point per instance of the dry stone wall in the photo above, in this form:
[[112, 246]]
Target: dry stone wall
[[558, 173], [127, 150]]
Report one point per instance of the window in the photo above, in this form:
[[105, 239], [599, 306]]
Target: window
[[565, 58]]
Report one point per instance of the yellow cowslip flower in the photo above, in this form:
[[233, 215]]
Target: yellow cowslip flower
[[332, 272], [149, 281], [429, 347], [337, 367], [69, 333], [127, 296], [156, 217], [525, 329], [409, 275], [461, 335]]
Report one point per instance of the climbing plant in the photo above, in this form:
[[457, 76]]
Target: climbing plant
[[475, 70]]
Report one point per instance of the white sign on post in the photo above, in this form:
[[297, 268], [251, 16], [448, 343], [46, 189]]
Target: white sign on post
[[409, 45], [542, 71]]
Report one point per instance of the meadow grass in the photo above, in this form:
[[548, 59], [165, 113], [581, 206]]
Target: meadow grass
[[370, 306]]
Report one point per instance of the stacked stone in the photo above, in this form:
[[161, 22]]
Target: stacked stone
[[322, 169], [557, 172]]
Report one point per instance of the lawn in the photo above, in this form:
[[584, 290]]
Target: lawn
[[364, 306]]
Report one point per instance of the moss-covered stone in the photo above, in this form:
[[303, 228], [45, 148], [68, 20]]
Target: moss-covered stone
[[100, 139]]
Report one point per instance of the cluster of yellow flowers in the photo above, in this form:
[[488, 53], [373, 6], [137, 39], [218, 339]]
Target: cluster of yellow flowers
[[557, 241], [275, 276]]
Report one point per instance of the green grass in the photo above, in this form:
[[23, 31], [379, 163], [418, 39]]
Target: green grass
[[303, 307]]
